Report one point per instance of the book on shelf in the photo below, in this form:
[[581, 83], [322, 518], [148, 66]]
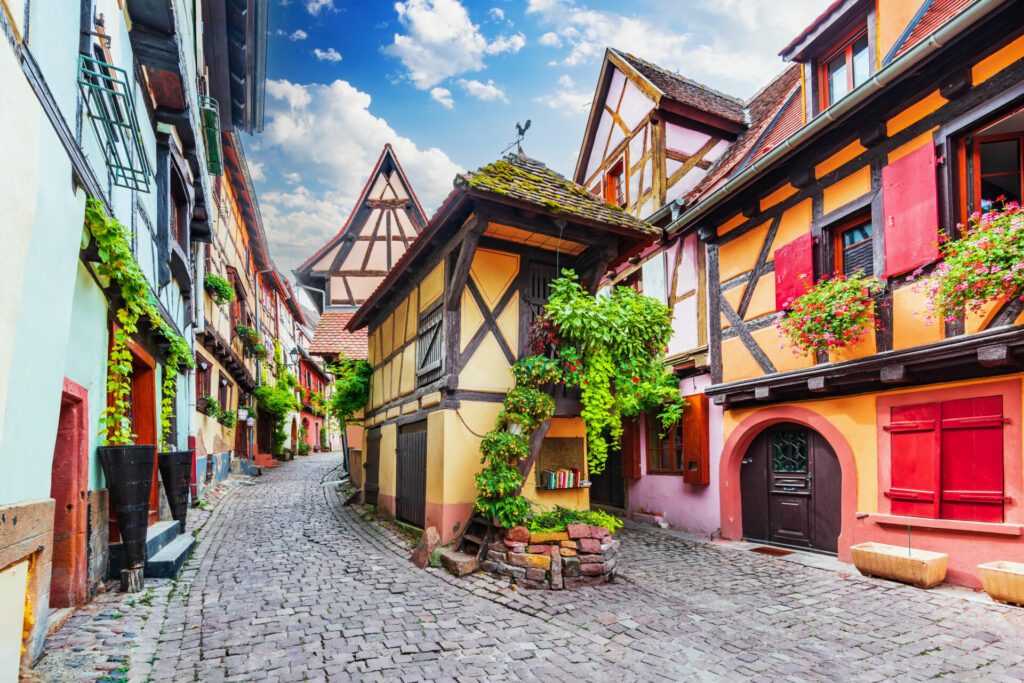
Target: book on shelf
[[560, 479]]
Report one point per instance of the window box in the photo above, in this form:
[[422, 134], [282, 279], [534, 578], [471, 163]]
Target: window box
[[1003, 581], [209, 114], [921, 568]]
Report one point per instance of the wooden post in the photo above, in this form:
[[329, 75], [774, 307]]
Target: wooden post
[[132, 581], [461, 272], [536, 439]]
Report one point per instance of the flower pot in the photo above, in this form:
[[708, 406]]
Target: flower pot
[[129, 474], [176, 474], [514, 428], [921, 568], [243, 413], [251, 421], [1004, 581]]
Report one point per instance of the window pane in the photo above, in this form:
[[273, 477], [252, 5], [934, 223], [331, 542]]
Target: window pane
[[998, 185], [789, 451], [859, 258], [653, 274], [860, 61], [858, 234], [837, 79], [1000, 157]]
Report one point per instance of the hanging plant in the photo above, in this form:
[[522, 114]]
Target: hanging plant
[[351, 389], [612, 348], [986, 264], [118, 264], [219, 288], [836, 312]]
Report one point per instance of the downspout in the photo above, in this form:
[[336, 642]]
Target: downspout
[[889, 73]]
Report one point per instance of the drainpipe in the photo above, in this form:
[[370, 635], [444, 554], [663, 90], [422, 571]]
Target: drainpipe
[[894, 70]]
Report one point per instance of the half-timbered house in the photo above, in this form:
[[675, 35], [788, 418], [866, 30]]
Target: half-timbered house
[[892, 124], [651, 138], [452, 317]]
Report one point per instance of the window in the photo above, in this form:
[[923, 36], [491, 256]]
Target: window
[[615, 184], [844, 69], [430, 346], [203, 372], [947, 459], [997, 170], [854, 249], [664, 452], [224, 391]]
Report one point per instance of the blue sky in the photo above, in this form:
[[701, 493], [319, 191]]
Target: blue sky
[[445, 81]]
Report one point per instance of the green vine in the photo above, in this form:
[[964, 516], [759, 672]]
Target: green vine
[[350, 392], [219, 288], [611, 347], [118, 264]]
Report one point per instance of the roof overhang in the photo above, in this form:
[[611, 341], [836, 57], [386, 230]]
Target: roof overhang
[[235, 45], [827, 26]]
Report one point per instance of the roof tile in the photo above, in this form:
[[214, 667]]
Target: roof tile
[[332, 338]]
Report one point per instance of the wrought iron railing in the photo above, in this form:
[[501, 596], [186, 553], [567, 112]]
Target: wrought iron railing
[[111, 109]]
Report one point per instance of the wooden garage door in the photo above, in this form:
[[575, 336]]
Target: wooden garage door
[[412, 473]]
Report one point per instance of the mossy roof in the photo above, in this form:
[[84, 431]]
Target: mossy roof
[[519, 177]]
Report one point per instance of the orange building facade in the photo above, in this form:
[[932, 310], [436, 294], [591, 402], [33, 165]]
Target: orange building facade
[[881, 135]]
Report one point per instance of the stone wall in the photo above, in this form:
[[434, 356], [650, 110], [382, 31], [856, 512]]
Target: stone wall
[[99, 539], [582, 555]]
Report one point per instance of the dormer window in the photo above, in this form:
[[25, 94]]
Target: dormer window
[[615, 184], [844, 68]]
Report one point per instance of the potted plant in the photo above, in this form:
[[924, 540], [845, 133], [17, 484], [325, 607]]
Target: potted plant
[[243, 412], [921, 568], [219, 288], [1003, 581], [175, 466], [835, 313]]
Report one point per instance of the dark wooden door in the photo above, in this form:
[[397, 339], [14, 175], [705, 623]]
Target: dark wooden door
[[791, 488], [411, 502], [609, 487], [371, 465]]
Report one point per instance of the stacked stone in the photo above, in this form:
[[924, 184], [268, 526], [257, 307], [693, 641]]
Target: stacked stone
[[582, 555]]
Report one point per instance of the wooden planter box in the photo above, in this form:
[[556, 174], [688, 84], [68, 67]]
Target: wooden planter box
[[921, 568], [1004, 581]]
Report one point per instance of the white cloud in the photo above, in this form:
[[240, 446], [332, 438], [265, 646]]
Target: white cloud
[[314, 7], [497, 13], [731, 44], [550, 39], [298, 34], [566, 99], [256, 171], [442, 96], [483, 91], [292, 178], [328, 55], [441, 41], [328, 132]]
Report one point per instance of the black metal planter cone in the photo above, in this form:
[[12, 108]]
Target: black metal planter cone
[[129, 474], [176, 474]]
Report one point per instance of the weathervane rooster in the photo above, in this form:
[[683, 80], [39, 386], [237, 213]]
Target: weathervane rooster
[[520, 134]]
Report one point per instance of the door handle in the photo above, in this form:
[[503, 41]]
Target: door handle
[[810, 480]]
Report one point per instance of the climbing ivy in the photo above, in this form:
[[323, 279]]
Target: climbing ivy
[[118, 264]]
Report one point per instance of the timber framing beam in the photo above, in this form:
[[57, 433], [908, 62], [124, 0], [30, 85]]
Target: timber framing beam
[[473, 229]]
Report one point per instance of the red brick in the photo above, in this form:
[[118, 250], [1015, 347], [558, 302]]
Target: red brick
[[539, 549], [589, 545], [519, 534], [592, 569]]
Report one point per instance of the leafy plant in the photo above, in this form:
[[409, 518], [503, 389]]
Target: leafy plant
[[611, 347], [227, 418], [219, 288], [560, 517], [304, 447], [985, 264], [118, 265], [276, 402], [324, 445], [248, 335], [213, 408], [836, 312], [258, 351], [351, 389]]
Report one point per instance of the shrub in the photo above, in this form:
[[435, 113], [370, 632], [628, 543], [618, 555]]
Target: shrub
[[219, 288], [559, 518]]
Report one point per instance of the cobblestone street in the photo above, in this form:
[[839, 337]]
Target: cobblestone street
[[286, 585]]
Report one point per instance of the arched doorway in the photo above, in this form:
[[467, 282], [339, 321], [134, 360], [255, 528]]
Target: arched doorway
[[791, 489]]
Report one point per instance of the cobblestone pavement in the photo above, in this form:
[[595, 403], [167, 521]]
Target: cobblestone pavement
[[288, 586]]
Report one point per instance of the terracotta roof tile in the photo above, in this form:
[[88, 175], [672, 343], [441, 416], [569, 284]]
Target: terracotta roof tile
[[519, 177], [769, 124], [332, 338], [685, 91], [938, 13]]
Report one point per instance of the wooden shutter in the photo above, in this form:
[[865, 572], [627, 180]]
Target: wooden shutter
[[914, 452], [696, 450], [972, 459], [630, 446], [794, 270], [910, 206]]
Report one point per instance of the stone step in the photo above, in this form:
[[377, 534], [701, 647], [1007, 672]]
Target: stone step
[[458, 563], [157, 537], [168, 562]]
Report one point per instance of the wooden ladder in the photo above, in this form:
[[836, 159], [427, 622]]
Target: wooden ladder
[[478, 536]]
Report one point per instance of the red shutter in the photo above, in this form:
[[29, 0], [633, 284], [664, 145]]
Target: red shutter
[[794, 270], [696, 465], [914, 452], [910, 206], [972, 459], [630, 449]]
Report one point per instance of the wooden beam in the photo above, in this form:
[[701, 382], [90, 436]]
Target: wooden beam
[[466, 251], [873, 134], [762, 393], [956, 84], [802, 177], [894, 374], [536, 439], [817, 384], [995, 356]]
